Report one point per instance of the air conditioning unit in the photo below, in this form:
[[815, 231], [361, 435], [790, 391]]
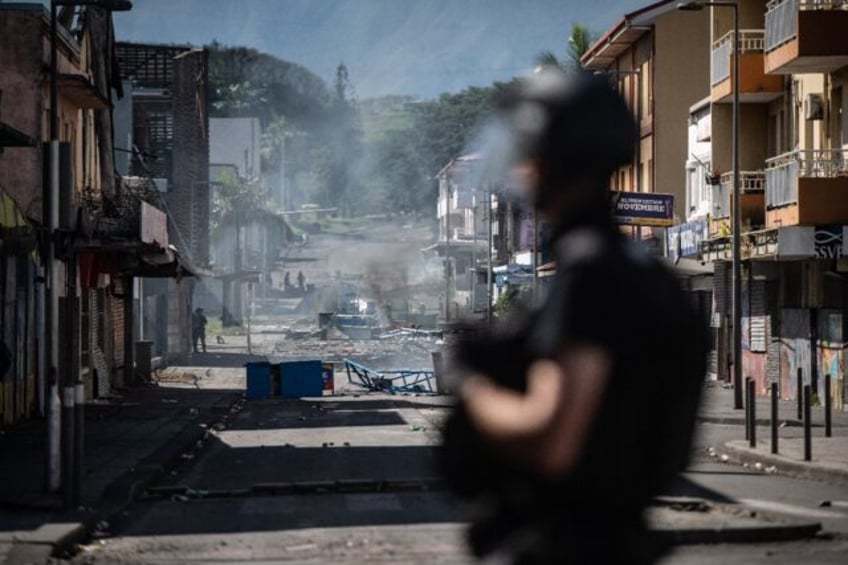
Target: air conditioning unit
[[813, 107]]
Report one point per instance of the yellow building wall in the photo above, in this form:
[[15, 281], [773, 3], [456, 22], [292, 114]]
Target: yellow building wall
[[681, 49]]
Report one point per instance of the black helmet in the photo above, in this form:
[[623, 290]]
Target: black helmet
[[575, 126]]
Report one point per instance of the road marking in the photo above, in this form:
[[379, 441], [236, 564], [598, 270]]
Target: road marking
[[782, 508]]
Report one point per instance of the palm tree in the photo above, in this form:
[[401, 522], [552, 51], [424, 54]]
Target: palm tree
[[578, 43]]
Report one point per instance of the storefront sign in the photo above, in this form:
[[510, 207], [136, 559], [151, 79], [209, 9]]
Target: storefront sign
[[643, 208], [684, 240], [829, 242], [802, 242]]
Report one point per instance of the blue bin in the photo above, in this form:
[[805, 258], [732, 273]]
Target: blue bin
[[301, 378], [258, 380]]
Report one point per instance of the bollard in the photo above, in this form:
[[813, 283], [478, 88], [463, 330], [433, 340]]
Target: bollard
[[752, 412], [799, 392], [747, 410], [68, 396], [808, 440], [827, 406], [79, 446], [774, 394]]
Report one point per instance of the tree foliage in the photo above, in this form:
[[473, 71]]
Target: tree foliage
[[579, 41], [247, 83]]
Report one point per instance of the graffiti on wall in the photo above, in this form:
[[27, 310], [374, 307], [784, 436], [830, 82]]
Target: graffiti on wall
[[795, 352]]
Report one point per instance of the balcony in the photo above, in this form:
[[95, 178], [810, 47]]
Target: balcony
[[754, 85], [807, 188], [751, 200], [806, 36]]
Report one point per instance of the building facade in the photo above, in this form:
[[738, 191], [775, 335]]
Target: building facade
[[793, 63]]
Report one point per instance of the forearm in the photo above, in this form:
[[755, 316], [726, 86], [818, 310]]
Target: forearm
[[504, 415]]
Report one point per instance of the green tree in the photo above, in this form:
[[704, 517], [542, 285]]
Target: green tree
[[579, 41]]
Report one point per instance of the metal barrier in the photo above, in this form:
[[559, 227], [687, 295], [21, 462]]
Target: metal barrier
[[401, 380]]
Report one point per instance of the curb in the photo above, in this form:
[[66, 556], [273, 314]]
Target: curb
[[776, 529], [761, 422], [785, 466]]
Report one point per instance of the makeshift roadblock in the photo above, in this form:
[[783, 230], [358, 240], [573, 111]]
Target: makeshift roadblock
[[291, 379]]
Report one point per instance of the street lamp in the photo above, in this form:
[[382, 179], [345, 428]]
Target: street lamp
[[72, 393], [736, 219]]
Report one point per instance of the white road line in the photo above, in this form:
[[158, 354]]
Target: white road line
[[792, 509]]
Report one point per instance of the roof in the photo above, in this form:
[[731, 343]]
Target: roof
[[461, 160], [149, 65], [623, 34]]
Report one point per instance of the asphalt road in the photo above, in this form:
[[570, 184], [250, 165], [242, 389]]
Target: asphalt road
[[242, 505]]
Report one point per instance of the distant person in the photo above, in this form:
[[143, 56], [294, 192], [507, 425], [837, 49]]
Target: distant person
[[286, 281], [574, 415], [301, 280], [198, 329]]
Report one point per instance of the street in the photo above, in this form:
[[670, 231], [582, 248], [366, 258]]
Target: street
[[350, 479]]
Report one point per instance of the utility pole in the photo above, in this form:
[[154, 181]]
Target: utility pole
[[447, 250], [489, 281]]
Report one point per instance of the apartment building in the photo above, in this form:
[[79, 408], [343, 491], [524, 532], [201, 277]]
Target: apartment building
[[659, 59], [793, 64], [166, 120]]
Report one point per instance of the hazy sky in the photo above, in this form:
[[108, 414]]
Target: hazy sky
[[418, 47]]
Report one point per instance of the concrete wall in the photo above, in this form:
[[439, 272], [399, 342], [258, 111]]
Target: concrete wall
[[21, 59]]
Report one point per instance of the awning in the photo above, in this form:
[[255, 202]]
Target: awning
[[132, 259], [688, 267]]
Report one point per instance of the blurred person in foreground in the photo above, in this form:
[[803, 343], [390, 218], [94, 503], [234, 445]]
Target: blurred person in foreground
[[573, 415]]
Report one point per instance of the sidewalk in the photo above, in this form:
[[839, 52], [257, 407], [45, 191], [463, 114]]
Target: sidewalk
[[129, 441], [829, 460]]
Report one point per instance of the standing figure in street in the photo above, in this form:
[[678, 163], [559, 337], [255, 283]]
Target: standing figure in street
[[301, 280], [198, 330], [571, 417]]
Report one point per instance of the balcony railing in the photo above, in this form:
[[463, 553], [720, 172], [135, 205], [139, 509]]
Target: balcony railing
[[782, 20], [783, 172], [750, 41], [749, 181]]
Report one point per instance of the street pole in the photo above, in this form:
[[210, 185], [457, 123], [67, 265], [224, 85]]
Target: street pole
[[737, 222], [489, 281], [736, 218], [50, 207], [64, 446], [447, 250]]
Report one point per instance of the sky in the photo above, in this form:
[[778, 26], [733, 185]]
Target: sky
[[420, 48]]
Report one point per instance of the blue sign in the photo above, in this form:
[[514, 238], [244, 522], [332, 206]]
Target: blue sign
[[684, 240], [643, 208]]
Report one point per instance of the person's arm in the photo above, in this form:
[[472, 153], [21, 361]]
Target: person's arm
[[548, 426]]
